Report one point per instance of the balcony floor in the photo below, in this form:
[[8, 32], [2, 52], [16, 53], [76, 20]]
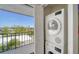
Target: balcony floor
[[22, 50]]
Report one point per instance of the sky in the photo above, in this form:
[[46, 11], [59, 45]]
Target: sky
[[11, 19]]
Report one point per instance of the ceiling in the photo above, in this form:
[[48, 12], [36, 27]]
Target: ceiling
[[18, 8]]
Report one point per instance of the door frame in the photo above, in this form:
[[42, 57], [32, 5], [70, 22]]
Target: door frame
[[72, 28]]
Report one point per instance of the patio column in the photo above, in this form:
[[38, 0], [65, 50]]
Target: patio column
[[39, 29]]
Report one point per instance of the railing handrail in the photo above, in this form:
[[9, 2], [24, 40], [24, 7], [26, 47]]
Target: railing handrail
[[15, 42]]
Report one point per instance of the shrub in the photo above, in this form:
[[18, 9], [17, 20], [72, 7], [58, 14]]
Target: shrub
[[12, 43]]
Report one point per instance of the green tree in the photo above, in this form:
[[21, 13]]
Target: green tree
[[19, 29], [5, 30], [16, 29]]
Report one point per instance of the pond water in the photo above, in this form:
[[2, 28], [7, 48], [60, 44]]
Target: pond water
[[20, 38]]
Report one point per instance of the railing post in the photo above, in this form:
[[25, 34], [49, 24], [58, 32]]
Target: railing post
[[2, 43], [24, 38], [19, 39], [11, 40], [15, 40], [29, 34], [7, 41]]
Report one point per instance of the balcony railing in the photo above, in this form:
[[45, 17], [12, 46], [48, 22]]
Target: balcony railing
[[14, 40]]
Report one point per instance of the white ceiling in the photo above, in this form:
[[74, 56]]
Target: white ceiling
[[18, 8]]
